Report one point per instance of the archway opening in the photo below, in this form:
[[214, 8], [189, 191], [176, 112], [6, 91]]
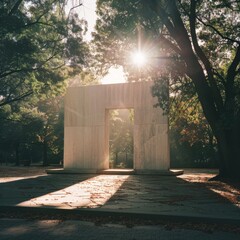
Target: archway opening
[[121, 150]]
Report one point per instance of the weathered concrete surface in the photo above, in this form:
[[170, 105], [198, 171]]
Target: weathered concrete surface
[[86, 126], [157, 195], [52, 229]]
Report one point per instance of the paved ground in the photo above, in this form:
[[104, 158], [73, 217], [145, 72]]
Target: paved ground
[[187, 195], [172, 207], [62, 230]]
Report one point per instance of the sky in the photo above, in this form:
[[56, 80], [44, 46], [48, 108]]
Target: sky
[[88, 12]]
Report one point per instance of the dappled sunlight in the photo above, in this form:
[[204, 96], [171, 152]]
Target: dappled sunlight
[[226, 191], [14, 230], [154, 194], [21, 229], [14, 179], [91, 193], [197, 177]]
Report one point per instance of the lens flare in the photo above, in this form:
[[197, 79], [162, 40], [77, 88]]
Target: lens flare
[[139, 58]]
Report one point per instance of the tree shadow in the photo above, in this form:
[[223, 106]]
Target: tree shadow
[[14, 192], [164, 195], [174, 196]]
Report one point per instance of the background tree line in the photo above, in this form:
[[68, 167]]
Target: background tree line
[[42, 46]]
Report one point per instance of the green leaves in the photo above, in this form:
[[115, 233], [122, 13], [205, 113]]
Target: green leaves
[[37, 38], [200, 41]]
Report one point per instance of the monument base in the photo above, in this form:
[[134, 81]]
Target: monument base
[[170, 172]]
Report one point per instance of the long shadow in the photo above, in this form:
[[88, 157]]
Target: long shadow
[[17, 191], [169, 195], [164, 195]]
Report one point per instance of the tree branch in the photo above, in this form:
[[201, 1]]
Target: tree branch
[[223, 80], [18, 98], [38, 68], [231, 74], [194, 69], [202, 56], [170, 44], [218, 32], [15, 7], [156, 7], [72, 8], [2, 75]]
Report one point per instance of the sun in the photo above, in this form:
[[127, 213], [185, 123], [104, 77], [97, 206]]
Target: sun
[[139, 58]]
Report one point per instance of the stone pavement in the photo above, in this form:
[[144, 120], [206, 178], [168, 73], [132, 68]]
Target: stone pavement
[[152, 195]]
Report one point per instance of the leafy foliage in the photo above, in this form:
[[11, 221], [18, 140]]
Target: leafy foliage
[[32, 131], [202, 44], [37, 38], [41, 46], [192, 142], [121, 138]]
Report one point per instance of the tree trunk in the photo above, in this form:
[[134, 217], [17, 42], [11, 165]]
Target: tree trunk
[[219, 111], [45, 156], [116, 160], [17, 159], [229, 154]]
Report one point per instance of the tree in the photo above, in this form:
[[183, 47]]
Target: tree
[[191, 139], [121, 138], [33, 125], [20, 125], [202, 42], [37, 39], [41, 45], [51, 134]]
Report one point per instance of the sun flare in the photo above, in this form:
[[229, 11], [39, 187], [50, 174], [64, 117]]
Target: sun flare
[[139, 58]]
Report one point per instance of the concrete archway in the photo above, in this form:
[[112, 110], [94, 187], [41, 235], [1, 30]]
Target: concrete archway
[[86, 147]]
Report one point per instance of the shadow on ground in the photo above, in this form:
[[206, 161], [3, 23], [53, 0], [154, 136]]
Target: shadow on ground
[[143, 194]]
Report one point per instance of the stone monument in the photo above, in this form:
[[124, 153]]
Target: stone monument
[[86, 127]]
